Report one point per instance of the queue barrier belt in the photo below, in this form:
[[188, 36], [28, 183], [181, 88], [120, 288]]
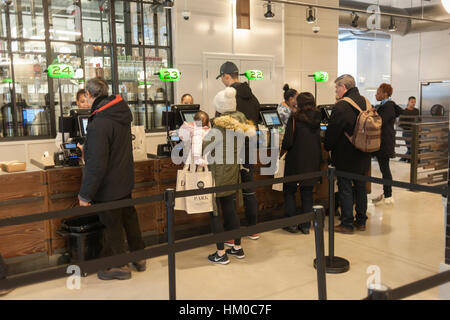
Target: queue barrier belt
[[92, 266]]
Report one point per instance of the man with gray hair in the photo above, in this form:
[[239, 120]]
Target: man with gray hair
[[108, 174], [345, 157]]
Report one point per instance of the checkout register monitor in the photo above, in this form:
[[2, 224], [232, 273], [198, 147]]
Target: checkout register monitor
[[271, 119], [82, 125], [188, 115]]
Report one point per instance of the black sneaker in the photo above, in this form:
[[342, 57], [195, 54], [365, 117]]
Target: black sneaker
[[215, 258], [122, 273], [237, 253], [291, 229]]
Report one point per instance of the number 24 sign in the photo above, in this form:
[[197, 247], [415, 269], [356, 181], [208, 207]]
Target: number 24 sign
[[60, 71], [169, 74]]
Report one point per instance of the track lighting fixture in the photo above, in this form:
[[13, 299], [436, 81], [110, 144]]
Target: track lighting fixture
[[392, 26], [355, 18], [311, 14], [269, 14]]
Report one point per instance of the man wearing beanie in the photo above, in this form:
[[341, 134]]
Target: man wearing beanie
[[224, 172], [248, 104]]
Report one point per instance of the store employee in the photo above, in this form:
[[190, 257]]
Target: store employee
[[82, 103]]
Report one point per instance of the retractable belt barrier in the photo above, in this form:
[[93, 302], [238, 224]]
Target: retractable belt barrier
[[57, 214], [173, 246]]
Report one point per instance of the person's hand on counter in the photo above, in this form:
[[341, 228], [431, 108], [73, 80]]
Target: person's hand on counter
[[83, 203]]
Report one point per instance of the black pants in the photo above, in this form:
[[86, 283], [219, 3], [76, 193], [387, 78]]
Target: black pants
[[249, 195], [386, 173], [290, 206], [346, 196], [226, 206], [115, 222]]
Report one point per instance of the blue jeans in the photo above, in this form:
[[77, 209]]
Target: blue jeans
[[346, 201], [290, 205], [249, 195]]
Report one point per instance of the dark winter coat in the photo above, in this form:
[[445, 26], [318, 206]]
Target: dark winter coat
[[109, 169], [303, 146], [388, 112], [246, 102], [344, 156]]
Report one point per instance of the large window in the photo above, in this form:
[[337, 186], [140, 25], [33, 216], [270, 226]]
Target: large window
[[125, 42], [368, 59]]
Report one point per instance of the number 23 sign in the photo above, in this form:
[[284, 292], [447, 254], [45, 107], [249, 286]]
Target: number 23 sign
[[169, 74]]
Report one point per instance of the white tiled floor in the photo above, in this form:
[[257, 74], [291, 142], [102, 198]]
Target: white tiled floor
[[406, 241]]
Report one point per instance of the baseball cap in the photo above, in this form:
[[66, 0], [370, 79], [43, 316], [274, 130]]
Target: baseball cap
[[227, 68]]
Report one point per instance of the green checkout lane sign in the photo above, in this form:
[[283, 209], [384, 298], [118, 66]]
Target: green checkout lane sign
[[320, 76], [61, 71], [169, 74], [254, 74]]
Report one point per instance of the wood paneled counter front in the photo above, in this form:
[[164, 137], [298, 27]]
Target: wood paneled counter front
[[55, 189]]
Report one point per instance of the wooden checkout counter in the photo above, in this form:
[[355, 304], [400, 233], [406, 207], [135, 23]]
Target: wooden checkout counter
[[55, 189]]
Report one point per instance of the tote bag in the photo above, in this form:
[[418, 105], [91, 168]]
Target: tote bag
[[279, 174], [199, 180], [180, 203]]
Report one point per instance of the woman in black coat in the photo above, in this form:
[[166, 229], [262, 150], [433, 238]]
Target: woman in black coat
[[388, 111], [302, 143]]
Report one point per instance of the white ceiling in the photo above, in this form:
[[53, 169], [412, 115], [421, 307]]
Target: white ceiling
[[400, 3]]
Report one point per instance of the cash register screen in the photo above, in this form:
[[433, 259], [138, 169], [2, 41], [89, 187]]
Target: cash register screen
[[188, 116], [271, 119], [82, 123]]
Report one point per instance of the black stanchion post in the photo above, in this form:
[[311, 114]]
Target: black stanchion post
[[333, 264], [320, 252], [378, 292], [169, 198]]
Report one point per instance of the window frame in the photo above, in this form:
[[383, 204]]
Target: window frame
[[81, 45]]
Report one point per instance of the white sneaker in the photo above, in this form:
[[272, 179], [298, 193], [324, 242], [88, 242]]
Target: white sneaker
[[389, 200], [378, 199]]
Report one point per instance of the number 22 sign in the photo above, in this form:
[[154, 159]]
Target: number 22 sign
[[169, 74], [254, 75], [60, 71]]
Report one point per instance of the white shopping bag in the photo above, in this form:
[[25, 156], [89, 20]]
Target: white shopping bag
[[180, 203], [139, 143], [197, 181], [279, 174]]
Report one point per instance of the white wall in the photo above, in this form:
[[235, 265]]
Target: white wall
[[210, 30], [418, 57], [307, 52]]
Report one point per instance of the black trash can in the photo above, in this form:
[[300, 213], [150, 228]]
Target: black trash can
[[84, 237]]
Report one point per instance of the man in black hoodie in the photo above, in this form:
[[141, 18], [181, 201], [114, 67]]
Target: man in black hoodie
[[108, 174], [248, 104], [345, 157]]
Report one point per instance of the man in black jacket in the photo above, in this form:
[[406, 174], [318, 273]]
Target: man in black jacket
[[248, 104], [345, 157], [108, 174]]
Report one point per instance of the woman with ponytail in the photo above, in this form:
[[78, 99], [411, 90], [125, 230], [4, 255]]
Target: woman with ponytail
[[288, 105]]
